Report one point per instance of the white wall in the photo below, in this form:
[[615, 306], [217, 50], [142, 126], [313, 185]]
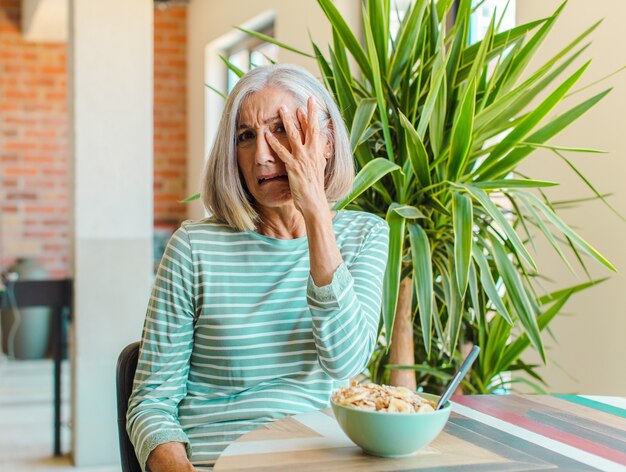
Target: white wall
[[212, 19], [590, 353], [110, 90]]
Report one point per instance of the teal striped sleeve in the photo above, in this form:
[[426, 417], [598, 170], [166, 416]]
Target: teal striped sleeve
[[346, 312], [163, 366]]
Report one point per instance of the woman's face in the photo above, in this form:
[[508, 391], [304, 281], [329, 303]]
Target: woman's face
[[262, 170]]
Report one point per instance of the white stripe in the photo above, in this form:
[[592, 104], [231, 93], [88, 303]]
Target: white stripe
[[258, 356], [332, 437], [251, 253], [254, 335], [258, 274], [307, 341], [555, 446], [297, 311], [256, 367], [257, 284], [619, 402]]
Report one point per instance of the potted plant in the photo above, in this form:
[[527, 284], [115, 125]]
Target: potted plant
[[439, 129]]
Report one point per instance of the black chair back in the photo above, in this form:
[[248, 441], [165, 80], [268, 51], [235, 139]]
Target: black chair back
[[126, 367]]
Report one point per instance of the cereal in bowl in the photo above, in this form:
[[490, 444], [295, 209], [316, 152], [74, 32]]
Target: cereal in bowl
[[382, 398]]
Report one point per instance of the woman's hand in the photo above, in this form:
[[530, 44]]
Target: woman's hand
[[169, 457], [306, 161]]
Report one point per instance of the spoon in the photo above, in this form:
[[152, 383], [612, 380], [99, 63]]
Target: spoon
[[456, 380]]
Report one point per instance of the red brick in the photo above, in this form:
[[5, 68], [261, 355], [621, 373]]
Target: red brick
[[18, 171]]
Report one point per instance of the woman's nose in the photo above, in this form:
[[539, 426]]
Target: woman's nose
[[263, 152]]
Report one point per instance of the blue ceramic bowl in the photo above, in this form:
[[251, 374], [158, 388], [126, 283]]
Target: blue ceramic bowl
[[391, 434]]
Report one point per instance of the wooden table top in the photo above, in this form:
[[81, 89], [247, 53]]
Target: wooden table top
[[484, 432]]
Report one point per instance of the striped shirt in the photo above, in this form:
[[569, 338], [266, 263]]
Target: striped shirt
[[237, 334]]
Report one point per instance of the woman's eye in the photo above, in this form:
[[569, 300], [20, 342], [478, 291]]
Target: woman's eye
[[279, 129], [245, 136]]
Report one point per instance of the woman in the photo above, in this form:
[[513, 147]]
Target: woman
[[266, 307]]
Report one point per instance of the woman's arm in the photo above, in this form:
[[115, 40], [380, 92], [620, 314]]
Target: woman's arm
[[344, 303], [163, 365], [169, 457], [346, 311]]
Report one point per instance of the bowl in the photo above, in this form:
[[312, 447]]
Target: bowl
[[391, 434]]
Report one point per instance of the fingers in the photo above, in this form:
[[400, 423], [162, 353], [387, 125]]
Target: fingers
[[313, 129], [301, 115], [293, 134], [281, 151]]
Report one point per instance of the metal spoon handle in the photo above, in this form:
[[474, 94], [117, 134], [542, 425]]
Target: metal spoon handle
[[456, 380]]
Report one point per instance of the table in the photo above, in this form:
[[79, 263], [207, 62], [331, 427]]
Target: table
[[485, 432], [56, 295]]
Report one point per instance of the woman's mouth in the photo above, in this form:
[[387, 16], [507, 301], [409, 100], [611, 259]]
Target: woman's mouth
[[266, 179]]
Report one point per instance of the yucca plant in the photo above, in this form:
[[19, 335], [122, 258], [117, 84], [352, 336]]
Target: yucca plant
[[439, 128]]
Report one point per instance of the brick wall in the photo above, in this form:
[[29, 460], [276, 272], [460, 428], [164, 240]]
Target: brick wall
[[170, 109], [34, 147], [34, 199]]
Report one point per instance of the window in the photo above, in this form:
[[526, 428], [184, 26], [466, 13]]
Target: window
[[249, 53], [480, 19]]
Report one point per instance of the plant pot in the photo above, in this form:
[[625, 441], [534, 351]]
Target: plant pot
[[25, 331]]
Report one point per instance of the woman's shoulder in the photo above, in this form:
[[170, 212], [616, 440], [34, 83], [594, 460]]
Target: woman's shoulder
[[362, 220], [207, 228]]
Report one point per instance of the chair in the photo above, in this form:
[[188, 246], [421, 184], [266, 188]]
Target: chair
[[126, 366]]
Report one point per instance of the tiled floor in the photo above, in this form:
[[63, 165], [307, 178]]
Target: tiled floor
[[26, 419]]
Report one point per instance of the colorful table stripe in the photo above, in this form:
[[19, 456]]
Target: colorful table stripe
[[485, 432], [598, 405]]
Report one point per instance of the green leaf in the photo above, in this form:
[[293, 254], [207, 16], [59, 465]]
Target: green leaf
[[567, 231], [462, 222], [519, 298], [512, 183], [499, 335], [497, 215], [195, 196], [272, 40], [378, 86], [455, 308], [378, 12], [519, 345], [461, 141], [344, 90], [346, 35], [236, 70], [460, 40], [526, 53], [491, 167], [488, 284], [553, 296], [417, 152], [544, 229], [589, 184], [372, 172], [545, 133], [437, 77], [423, 280], [437, 125], [224, 96], [500, 41], [340, 53], [503, 104], [406, 43], [362, 118], [394, 266], [563, 148], [409, 212]]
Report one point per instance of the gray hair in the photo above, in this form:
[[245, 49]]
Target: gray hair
[[223, 193]]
